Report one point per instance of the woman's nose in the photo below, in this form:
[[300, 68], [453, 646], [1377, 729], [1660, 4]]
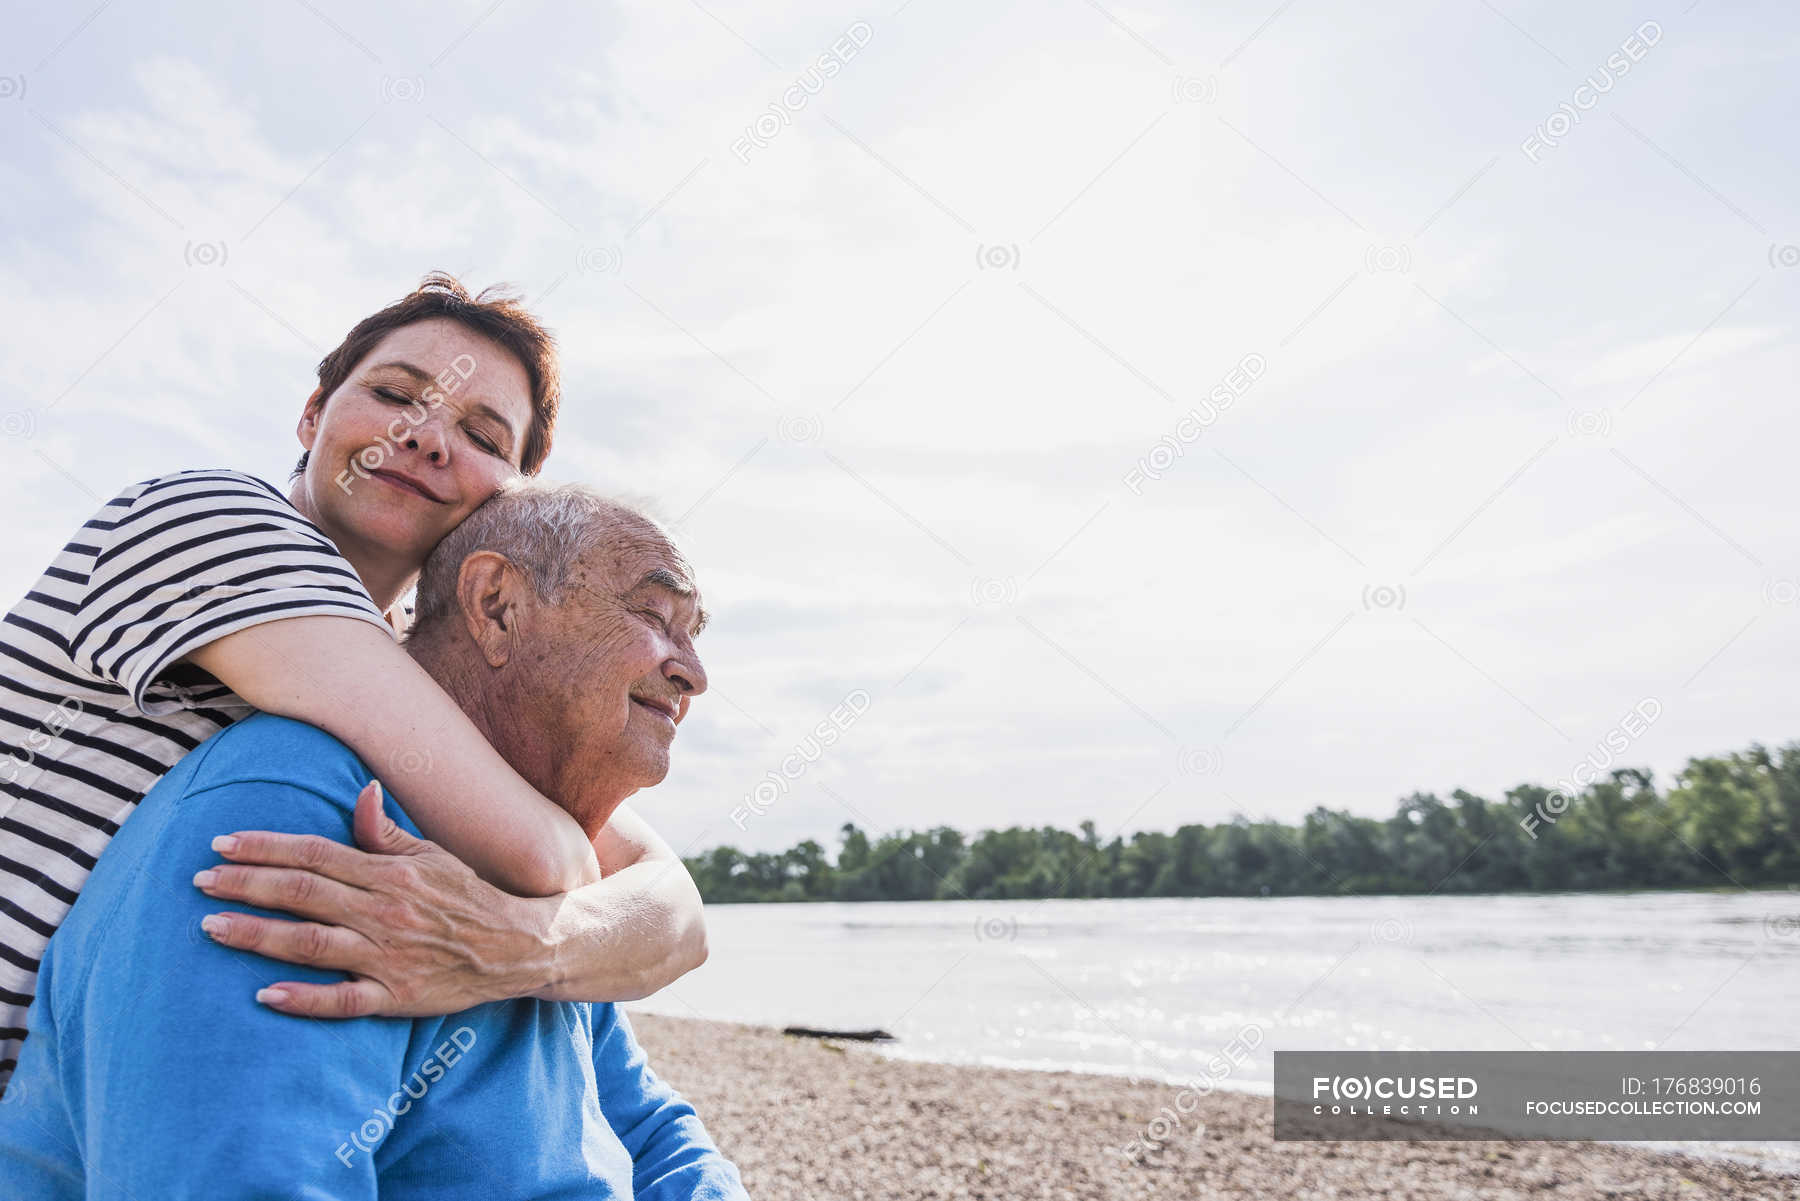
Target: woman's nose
[[429, 439]]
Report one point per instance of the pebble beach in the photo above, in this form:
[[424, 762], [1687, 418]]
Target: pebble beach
[[812, 1120]]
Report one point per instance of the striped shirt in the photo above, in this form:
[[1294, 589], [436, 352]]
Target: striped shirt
[[94, 705]]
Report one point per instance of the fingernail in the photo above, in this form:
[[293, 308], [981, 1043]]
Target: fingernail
[[206, 879], [271, 996], [216, 924], [224, 844]]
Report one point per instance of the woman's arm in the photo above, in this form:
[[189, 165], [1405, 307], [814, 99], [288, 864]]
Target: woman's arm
[[355, 682], [637, 930], [423, 935]]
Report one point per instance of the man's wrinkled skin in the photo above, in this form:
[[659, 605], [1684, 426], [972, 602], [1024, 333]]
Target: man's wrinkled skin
[[582, 696]]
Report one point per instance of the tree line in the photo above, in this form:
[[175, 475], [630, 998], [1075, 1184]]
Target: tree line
[[1725, 821]]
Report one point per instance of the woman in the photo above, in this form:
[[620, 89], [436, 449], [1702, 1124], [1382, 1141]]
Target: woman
[[193, 597]]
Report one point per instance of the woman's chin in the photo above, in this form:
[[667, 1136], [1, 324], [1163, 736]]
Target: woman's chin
[[385, 529]]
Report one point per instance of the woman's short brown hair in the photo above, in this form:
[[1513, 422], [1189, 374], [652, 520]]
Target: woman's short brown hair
[[495, 313]]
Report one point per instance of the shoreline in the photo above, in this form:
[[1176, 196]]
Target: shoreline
[[809, 1118], [1621, 891]]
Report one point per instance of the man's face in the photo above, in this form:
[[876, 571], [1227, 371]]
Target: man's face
[[620, 650], [427, 426]]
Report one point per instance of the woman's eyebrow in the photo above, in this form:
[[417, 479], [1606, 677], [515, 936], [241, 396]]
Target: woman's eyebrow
[[419, 374]]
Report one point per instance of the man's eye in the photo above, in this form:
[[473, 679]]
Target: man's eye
[[392, 397]]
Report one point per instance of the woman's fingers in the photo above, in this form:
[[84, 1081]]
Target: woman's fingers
[[348, 999], [308, 852], [378, 835], [314, 945], [422, 932], [291, 890]]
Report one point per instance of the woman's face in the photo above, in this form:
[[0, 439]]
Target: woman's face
[[427, 426]]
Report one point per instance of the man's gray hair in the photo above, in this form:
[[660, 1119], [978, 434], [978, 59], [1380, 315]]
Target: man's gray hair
[[543, 529]]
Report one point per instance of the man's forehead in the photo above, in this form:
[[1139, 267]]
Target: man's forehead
[[642, 559], [646, 568]]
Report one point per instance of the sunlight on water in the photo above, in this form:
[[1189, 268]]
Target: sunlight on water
[[1155, 988]]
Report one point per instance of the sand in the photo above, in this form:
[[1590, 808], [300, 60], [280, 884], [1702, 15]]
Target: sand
[[807, 1120]]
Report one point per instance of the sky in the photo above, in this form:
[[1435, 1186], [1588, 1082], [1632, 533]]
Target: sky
[[1138, 413]]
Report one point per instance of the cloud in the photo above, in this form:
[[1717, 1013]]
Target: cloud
[[890, 371]]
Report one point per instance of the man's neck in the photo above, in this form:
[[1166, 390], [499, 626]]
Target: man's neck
[[386, 581], [537, 750]]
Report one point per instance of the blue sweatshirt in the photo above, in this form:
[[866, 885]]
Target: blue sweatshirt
[[152, 1072]]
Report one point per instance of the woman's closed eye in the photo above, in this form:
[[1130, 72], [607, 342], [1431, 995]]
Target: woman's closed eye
[[484, 442]]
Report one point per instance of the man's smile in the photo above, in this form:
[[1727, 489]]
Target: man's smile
[[665, 709]]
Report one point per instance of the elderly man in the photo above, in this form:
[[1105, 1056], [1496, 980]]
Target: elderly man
[[563, 624]]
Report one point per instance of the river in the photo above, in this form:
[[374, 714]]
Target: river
[[1155, 988]]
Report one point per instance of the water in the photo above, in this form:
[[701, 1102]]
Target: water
[[1156, 988]]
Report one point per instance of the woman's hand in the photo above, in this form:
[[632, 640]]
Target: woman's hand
[[421, 934]]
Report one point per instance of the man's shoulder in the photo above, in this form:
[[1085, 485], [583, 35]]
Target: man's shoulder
[[263, 773], [267, 749]]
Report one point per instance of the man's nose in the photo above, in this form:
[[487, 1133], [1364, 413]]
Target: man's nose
[[687, 673]]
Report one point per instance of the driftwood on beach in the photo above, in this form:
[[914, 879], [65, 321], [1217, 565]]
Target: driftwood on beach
[[861, 1036]]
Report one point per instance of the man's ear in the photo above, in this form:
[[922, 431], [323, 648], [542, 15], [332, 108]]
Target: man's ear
[[491, 593], [308, 429]]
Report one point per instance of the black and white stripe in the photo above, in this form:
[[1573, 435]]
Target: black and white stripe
[[89, 720]]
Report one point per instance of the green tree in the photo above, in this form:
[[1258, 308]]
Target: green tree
[[1732, 818]]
